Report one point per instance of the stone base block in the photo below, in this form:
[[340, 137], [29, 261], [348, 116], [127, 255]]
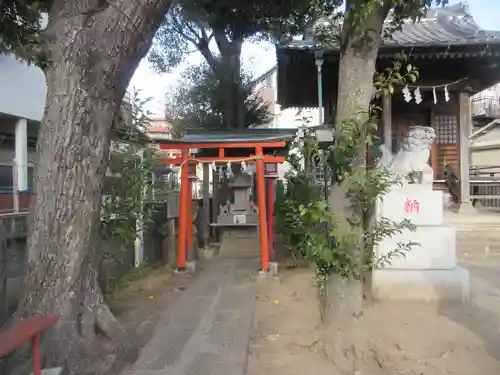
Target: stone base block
[[264, 277], [273, 268], [191, 267], [421, 285], [208, 253], [51, 371], [435, 249], [418, 203]]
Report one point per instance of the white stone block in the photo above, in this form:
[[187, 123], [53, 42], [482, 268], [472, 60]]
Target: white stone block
[[273, 268], [191, 267], [436, 248], [415, 202], [421, 285]]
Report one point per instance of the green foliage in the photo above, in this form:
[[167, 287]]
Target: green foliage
[[200, 101], [400, 72], [119, 282], [193, 25], [312, 232], [127, 209], [299, 193], [311, 229], [20, 27], [218, 30]]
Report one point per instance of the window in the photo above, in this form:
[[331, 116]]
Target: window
[[319, 174], [31, 177], [446, 129], [6, 178]]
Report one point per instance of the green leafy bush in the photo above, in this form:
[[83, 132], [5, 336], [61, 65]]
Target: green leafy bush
[[310, 227]]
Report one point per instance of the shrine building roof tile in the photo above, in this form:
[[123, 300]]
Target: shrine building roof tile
[[446, 26]]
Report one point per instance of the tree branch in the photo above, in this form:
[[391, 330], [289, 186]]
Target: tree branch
[[221, 40], [198, 34]]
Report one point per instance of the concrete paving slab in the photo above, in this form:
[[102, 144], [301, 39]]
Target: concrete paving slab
[[208, 329]]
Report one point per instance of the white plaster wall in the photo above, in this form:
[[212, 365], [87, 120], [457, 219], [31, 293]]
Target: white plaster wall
[[485, 157], [23, 89]]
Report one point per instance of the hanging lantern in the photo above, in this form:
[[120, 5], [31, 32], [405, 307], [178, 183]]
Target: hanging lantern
[[192, 169], [271, 170]]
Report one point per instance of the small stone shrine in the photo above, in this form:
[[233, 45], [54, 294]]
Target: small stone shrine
[[429, 270], [243, 211]]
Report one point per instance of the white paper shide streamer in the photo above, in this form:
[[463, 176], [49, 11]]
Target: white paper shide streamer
[[417, 95], [229, 170], [407, 94], [221, 174]]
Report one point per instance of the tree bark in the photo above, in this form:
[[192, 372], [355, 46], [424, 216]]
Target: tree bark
[[344, 299], [94, 50], [230, 52]]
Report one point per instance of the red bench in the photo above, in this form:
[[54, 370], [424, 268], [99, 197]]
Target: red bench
[[21, 332]]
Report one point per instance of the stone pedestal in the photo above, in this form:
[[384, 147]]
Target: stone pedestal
[[429, 271]]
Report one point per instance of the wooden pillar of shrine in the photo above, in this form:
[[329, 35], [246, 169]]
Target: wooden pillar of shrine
[[434, 147], [205, 219], [181, 244], [261, 203], [189, 220], [270, 215], [464, 129]]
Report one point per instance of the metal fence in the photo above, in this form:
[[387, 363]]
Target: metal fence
[[486, 106], [485, 186]]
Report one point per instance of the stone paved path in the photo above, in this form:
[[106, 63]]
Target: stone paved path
[[207, 331]]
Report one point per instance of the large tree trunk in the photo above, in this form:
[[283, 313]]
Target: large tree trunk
[[238, 97], [93, 51], [344, 299], [230, 52]]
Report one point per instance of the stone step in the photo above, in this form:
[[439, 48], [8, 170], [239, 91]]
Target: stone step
[[51, 371]]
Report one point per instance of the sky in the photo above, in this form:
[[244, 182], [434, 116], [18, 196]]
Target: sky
[[261, 57]]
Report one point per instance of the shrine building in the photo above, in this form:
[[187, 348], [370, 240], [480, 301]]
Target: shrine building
[[455, 59]]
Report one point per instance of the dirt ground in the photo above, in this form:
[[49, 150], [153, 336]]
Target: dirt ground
[[139, 305], [402, 337]]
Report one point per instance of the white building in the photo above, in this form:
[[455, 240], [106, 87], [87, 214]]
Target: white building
[[22, 102]]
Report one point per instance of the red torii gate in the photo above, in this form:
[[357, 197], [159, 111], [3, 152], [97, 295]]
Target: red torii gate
[[260, 158]]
